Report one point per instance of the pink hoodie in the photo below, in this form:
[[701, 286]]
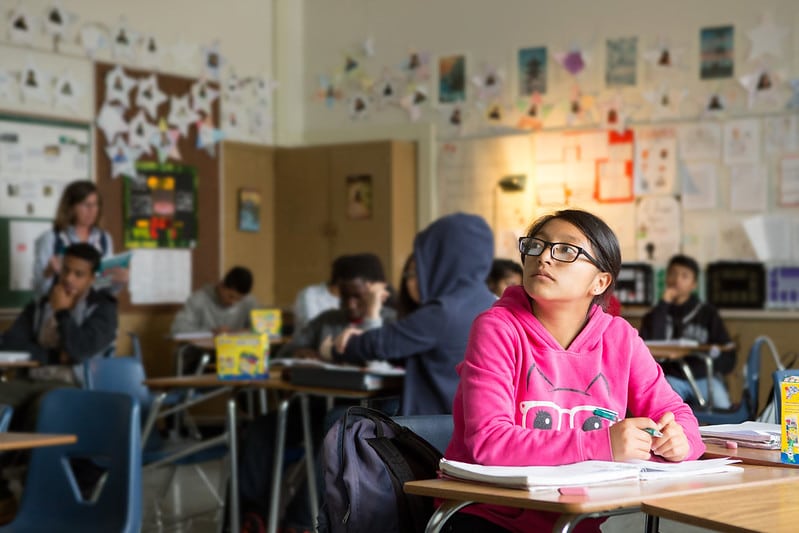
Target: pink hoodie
[[524, 400]]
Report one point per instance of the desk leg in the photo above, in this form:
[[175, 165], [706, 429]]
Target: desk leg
[[700, 398], [568, 522], [234, 464], [443, 513], [309, 456], [277, 474], [709, 366], [652, 524]]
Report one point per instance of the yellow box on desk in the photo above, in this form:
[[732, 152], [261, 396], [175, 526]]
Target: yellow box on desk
[[243, 356], [269, 321], [789, 419]]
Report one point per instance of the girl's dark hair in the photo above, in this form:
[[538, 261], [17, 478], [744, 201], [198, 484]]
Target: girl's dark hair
[[605, 245], [73, 194], [405, 304]]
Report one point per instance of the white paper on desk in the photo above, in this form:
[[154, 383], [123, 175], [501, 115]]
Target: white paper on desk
[[756, 432], [653, 471], [160, 276], [193, 335]]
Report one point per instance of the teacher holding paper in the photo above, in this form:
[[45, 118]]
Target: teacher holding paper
[[77, 220]]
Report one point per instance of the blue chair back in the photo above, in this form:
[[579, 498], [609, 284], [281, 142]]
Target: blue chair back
[[777, 376], [119, 374], [435, 429], [107, 428], [5, 416]]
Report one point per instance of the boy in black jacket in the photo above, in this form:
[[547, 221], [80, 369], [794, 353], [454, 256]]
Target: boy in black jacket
[[680, 315]]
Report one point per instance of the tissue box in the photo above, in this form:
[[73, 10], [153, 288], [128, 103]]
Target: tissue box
[[242, 356], [789, 420]]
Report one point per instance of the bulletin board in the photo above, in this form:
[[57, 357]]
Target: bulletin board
[[205, 254], [699, 181], [38, 158]]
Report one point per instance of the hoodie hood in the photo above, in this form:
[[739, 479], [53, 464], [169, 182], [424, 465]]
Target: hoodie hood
[[453, 252]]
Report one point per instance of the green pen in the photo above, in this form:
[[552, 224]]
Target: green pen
[[654, 432], [613, 416]]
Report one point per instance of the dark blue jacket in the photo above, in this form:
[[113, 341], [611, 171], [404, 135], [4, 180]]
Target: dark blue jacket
[[453, 257]]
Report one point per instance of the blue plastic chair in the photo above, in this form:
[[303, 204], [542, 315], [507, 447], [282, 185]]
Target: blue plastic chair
[[435, 429], [747, 408], [6, 411], [777, 376], [107, 428]]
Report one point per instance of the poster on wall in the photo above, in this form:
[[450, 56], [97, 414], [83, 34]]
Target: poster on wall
[[717, 58], [452, 79], [249, 210], [532, 69], [161, 206], [359, 197], [621, 62]]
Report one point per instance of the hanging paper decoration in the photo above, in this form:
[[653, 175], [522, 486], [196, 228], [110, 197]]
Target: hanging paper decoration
[[93, 39], [263, 89], [208, 136], [21, 24], [67, 92], [456, 119], [184, 54], [490, 84], [203, 96], [181, 115], [111, 121], [534, 112], [412, 101], [57, 20], [574, 61], [165, 142], [212, 61], [665, 102], [579, 107], [8, 85], [140, 132], [118, 85], [494, 113], [149, 96], [150, 54], [358, 106], [232, 89], [761, 85], [766, 38], [328, 91], [614, 114], [123, 41], [715, 105], [664, 57], [34, 83], [123, 159], [417, 65], [385, 91]]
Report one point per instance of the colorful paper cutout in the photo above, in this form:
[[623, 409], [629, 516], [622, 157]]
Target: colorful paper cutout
[[208, 136], [579, 107], [123, 159], [417, 65], [111, 121], [165, 142], [534, 111], [490, 83], [358, 106], [181, 115], [149, 96], [328, 91], [412, 101], [761, 85], [118, 85], [574, 61], [614, 114], [67, 92]]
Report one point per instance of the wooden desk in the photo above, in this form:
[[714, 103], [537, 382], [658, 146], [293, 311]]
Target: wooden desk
[[23, 441], [749, 456], [211, 381], [602, 500], [742, 510]]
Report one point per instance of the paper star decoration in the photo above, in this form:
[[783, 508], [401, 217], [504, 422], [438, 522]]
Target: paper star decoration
[[118, 85], [57, 20], [489, 84], [184, 54], [358, 106], [21, 24], [761, 85], [665, 102], [111, 120], [203, 96], [34, 83], [149, 96], [92, 39], [123, 159], [793, 102], [181, 115], [67, 92], [413, 100], [766, 38], [212, 61], [417, 65], [151, 53], [328, 91], [664, 57], [123, 41], [534, 112], [385, 91], [8, 85], [208, 136], [715, 105], [165, 142], [614, 114], [140, 132], [579, 107], [574, 61]]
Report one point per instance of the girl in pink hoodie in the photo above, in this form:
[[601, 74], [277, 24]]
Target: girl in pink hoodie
[[545, 356]]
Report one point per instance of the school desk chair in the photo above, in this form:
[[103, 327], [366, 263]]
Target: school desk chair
[[54, 498], [747, 408], [6, 411]]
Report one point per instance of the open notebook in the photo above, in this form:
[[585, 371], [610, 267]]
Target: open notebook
[[582, 473]]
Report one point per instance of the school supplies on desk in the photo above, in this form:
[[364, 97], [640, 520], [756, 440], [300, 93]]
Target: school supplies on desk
[[747, 434], [789, 420], [269, 321], [242, 356], [582, 473]]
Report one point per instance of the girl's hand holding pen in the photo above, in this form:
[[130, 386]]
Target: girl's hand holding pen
[[673, 445], [629, 440]]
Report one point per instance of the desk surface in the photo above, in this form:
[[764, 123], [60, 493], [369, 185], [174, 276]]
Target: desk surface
[[207, 343], [272, 383], [773, 510], [750, 456], [23, 441], [675, 351], [18, 364], [605, 497]]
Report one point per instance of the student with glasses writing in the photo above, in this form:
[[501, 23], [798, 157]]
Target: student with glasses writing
[[547, 372]]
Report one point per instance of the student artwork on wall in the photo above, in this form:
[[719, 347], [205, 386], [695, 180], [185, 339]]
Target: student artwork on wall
[[717, 59], [742, 141], [249, 210], [160, 205], [359, 197], [531, 65], [621, 61], [658, 228], [451, 79]]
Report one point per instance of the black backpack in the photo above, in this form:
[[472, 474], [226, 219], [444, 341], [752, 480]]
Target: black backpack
[[367, 458]]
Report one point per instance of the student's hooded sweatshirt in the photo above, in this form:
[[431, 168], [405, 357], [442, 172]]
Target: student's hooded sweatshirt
[[525, 400], [453, 257]]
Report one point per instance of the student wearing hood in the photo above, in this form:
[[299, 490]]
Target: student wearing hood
[[451, 260]]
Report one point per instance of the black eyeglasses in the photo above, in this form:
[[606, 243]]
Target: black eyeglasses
[[559, 251]]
